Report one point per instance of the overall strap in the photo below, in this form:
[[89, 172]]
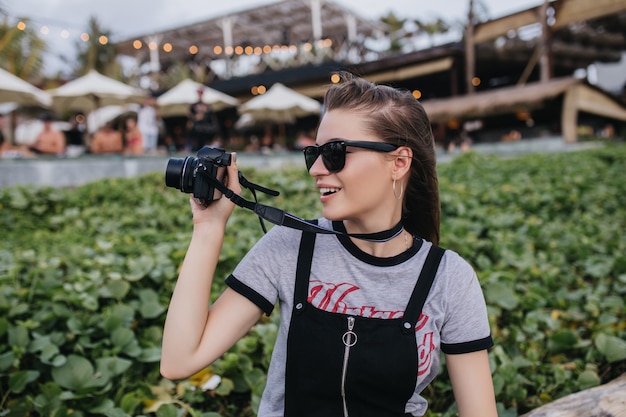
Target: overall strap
[[422, 288], [303, 271]]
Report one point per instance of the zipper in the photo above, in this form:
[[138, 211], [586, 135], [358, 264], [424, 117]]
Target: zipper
[[349, 339]]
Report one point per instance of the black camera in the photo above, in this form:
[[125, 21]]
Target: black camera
[[190, 174]]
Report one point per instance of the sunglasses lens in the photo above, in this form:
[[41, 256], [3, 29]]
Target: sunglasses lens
[[310, 155], [333, 156]]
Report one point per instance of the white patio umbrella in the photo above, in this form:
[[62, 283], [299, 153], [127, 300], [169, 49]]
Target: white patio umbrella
[[280, 104], [15, 90], [176, 101], [93, 91]]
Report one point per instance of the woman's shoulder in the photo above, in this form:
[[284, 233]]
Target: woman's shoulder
[[454, 263]]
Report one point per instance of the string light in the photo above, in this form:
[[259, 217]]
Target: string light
[[137, 44], [51, 27]]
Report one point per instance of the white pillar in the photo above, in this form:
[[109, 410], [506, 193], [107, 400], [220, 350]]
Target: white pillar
[[316, 19], [226, 24], [351, 24], [154, 42]]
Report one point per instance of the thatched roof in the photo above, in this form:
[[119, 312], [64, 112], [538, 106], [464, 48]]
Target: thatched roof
[[493, 102], [572, 95]]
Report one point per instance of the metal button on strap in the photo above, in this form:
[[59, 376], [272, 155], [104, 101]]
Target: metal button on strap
[[299, 306], [407, 325]]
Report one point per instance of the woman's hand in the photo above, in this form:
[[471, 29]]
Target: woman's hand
[[218, 210]]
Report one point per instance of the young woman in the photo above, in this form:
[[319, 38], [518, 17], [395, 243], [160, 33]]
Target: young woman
[[363, 318], [132, 137]]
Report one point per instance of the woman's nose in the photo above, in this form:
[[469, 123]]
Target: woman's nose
[[318, 167]]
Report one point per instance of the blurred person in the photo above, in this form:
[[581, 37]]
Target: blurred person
[[303, 140], [107, 140], [148, 124], [202, 125], [367, 308], [132, 137], [75, 135], [50, 141]]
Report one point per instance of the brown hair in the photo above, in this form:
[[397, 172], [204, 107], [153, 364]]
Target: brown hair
[[396, 117]]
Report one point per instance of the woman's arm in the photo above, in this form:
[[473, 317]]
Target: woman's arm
[[472, 384], [196, 334]]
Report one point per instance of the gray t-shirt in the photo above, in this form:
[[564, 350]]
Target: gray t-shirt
[[346, 280]]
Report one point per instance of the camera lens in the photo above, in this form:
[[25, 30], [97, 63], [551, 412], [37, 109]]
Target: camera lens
[[178, 174]]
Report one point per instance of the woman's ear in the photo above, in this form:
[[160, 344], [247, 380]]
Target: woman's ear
[[403, 157]]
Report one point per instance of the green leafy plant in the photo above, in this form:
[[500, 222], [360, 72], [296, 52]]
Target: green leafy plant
[[86, 275]]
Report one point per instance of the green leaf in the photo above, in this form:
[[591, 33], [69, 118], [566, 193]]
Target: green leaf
[[77, 374], [130, 401], [112, 366], [18, 336], [167, 410], [588, 379], [20, 379], [613, 348], [562, 341], [121, 337], [4, 326], [48, 353], [139, 267], [115, 289], [150, 355], [121, 315], [502, 294], [6, 360], [150, 307], [225, 387], [115, 412]]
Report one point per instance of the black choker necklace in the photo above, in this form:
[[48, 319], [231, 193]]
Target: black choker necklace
[[384, 236]]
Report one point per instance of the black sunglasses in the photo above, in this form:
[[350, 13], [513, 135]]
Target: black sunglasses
[[334, 152]]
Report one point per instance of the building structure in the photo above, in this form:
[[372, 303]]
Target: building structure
[[559, 39]]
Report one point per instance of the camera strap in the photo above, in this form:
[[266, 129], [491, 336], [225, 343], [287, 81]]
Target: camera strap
[[282, 218]]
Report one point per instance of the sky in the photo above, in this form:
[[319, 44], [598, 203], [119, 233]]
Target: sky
[[66, 19]]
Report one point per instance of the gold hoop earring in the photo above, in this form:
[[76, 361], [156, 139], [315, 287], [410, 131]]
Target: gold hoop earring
[[395, 194]]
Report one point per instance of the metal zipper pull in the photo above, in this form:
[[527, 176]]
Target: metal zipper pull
[[349, 335], [349, 339]]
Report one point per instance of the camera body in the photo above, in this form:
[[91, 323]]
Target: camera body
[[190, 174]]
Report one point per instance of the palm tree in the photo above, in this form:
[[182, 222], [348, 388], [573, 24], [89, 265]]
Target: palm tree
[[21, 50], [97, 53], [395, 31], [433, 27]]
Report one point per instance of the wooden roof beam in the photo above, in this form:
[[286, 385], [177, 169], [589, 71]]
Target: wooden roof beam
[[567, 12]]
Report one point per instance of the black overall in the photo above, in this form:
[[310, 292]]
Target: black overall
[[374, 363]]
